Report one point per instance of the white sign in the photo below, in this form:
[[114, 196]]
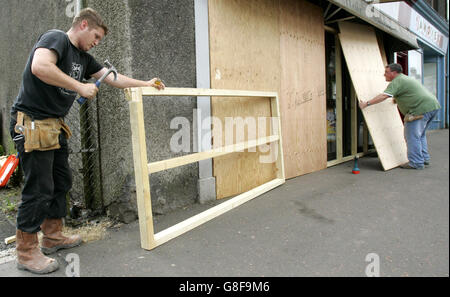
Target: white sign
[[427, 31], [408, 17]]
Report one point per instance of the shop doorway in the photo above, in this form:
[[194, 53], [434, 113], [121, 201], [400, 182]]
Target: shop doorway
[[347, 133]]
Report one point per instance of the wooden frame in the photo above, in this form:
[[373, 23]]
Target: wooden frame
[[142, 168]]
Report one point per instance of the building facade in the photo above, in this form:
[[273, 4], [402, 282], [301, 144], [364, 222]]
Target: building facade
[[292, 47], [428, 20]]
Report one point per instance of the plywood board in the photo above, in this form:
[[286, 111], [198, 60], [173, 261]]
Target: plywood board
[[303, 87], [365, 64], [273, 46], [244, 54]]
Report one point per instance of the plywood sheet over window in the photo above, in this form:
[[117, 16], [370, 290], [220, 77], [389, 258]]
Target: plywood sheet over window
[[303, 87], [366, 67], [245, 55], [269, 45]]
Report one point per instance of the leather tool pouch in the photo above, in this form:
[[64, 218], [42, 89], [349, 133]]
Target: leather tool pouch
[[66, 129], [411, 118], [40, 135]]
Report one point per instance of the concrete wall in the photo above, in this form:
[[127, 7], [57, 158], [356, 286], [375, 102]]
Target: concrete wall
[[147, 39], [21, 23]]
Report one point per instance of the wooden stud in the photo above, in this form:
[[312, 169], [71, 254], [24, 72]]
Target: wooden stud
[[149, 91], [214, 212], [128, 95], [348, 158], [214, 153], [354, 120], [276, 115], [10, 239], [141, 170], [149, 240]]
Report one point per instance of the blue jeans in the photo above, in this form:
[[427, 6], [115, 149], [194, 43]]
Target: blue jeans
[[416, 139]]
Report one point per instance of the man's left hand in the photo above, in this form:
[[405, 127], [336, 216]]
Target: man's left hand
[[156, 83], [362, 104]]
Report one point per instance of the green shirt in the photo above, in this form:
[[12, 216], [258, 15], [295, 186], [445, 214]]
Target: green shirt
[[411, 96]]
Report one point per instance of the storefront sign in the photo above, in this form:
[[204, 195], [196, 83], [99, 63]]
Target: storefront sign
[[411, 19], [370, 14], [428, 32]]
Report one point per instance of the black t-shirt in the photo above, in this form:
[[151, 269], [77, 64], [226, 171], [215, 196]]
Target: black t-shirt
[[40, 100]]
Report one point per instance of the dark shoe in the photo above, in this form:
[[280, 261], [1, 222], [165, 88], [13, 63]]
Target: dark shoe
[[29, 257], [426, 163], [407, 166], [54, 240]]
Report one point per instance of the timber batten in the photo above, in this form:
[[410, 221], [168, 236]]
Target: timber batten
[[150, 240]]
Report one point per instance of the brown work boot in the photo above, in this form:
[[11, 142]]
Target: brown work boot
[[29, 257], [54, 240]]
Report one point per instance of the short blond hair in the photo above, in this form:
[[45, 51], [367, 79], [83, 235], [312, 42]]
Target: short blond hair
[[92, 17]]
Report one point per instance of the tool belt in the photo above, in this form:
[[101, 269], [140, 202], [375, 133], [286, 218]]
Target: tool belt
[[411, 118], [41, 135]]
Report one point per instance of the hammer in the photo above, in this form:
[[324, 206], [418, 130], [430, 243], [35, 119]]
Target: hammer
[[111, 69]]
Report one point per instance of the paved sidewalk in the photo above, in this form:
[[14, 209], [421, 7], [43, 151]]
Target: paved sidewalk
[[320, 224]]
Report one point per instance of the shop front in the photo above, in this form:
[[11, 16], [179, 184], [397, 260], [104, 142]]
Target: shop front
[[321, 57], [428, 63], [355, 66]]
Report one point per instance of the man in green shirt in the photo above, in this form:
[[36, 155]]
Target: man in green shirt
[[419, 107]]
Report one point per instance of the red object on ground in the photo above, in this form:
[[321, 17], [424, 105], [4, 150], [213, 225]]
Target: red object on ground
[[8, 169]]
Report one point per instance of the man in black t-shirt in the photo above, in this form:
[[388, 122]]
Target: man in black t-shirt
[[52, 78]]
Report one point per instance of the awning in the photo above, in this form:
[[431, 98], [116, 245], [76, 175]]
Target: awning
[[374, 17]]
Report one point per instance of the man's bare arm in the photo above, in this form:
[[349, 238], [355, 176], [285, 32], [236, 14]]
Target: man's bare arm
[[123, 81], [44, 67], [377, 99]]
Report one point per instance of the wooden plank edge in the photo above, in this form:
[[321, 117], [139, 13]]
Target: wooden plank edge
[[201, 218], [349, 158], [149, 91], [10, 239], [276, 115], [143, 196], [214, 153], [128, 93]]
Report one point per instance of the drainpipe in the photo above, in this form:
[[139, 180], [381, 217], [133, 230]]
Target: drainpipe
[[202, 120], [79, 6]]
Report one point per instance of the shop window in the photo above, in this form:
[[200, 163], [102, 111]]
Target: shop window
[[415, 59], [331, 95], [430, 77]]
